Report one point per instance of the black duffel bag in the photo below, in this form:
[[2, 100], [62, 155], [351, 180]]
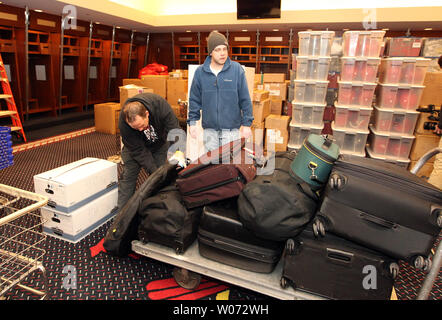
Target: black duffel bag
[[277, 206], [165, 220]]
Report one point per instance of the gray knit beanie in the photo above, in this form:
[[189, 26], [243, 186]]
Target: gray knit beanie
[[215, 39]]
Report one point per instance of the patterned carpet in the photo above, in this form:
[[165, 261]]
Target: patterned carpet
[[100, 276]]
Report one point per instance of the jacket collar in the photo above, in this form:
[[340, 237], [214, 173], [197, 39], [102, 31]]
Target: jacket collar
[[206, 65]]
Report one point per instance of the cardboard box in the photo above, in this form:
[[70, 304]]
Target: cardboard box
[[258, 133], [77, 224], [176, 89], [260, 111], [432, 93], [178, 74], [130, 90], [277, 131], [422, 144], [73, 185], [259, 78], [106, 117], [276, 105], [278, 138], [260, 95], [134, 81], [275, 89], [156, 82], [273, 77]]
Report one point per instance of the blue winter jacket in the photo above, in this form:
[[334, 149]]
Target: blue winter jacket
[[224, 99]]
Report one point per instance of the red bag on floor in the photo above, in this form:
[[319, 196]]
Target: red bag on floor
[[153, 69]]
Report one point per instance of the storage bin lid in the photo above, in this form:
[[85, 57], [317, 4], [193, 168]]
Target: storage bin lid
[[366, 59], [397, 111], [328, 58], [357, 83], [349, 130], [306, 126], [401, 86], [352, 107], [390, 135], [322, 146]]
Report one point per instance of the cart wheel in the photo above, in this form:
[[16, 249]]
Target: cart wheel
[[290, 247], [419, 262], [318, 228], [439, 220], [179, 250], [284, 283], [427, 265], [394, 270], [186, 279], [335, 181]]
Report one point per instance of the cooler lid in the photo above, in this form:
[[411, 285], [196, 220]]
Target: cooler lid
[[323, 146]]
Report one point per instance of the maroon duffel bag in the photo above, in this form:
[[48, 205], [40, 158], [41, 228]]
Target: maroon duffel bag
[[217, 175]]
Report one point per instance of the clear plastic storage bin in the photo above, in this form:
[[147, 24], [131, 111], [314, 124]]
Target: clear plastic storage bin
[[358, 94], [403, 70], [312, 68], [389, 145], [310, 91], [359, 69], [399, 162], [352, 117], [315, 43], [299, 132], [404, 47], [351, 141], [395, 121], [362, 43], [308, 114], [404, 97]]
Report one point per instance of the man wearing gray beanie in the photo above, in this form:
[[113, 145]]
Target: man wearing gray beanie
[[219, 90]]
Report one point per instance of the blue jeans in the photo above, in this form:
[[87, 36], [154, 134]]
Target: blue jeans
[[214, 139]]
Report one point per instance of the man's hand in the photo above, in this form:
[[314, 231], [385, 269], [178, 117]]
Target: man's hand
[[179, 159], [245, 132], [193, 130]]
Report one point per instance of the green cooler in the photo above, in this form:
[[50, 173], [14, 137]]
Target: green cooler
[[315, 159]]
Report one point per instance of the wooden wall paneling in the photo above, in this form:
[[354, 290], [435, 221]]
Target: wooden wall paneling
[[160, 49], [273, 52], [42, 21], [186, 49], [12, 16], [242, 48], [9, 51]]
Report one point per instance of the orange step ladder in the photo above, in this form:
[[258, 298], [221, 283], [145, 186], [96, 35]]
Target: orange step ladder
[[10, 102]]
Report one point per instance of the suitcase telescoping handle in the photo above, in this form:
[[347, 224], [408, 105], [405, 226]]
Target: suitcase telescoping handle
[[339, 256]]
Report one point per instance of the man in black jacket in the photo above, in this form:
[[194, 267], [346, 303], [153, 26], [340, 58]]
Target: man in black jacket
[[145, 120]]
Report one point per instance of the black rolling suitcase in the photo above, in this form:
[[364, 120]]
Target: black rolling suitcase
[[383, 207], [222, 237], [335, 268]]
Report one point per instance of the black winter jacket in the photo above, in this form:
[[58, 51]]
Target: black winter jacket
[[161, 117]]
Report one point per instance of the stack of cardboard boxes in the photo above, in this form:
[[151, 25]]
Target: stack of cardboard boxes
[[268, 98]]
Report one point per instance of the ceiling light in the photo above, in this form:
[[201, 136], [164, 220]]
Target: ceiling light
[[385, 29], [118, 27], [188, 30], [38, 10], [97, 22], [428, 29], [275, 29], [244, 30], [345, 29]]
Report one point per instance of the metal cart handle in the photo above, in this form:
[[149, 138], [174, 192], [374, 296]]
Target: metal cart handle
[[424, 159]]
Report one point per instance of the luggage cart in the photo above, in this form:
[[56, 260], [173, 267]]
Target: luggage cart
[[267, 284], [21, 239]]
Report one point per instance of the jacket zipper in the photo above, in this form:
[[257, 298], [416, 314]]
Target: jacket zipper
[[219, 184]]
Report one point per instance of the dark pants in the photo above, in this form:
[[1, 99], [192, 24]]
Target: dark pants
[[131, 169]]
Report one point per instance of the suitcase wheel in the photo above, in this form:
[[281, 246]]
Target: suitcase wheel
[[394, 270], [318, 228], [422, 263], [439, 220], [290, 247], [179, 250], [285, 283]]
